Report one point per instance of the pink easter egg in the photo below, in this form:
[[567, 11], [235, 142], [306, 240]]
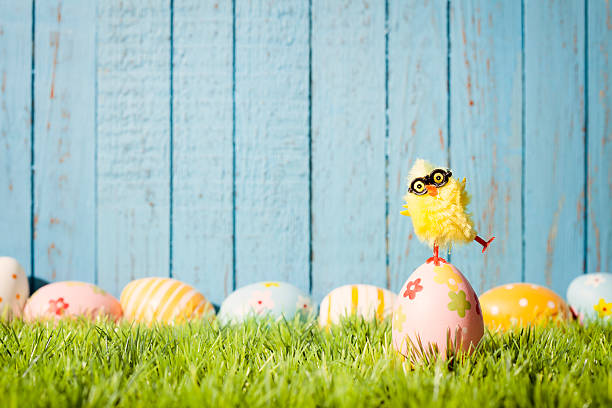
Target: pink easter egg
[[436, 304], [71, 299]]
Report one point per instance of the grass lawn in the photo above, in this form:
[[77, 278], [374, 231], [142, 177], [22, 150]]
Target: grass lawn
[[294, 364]]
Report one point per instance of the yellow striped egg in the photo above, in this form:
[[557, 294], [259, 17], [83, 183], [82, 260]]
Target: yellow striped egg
[[361, 300], [163, 300]]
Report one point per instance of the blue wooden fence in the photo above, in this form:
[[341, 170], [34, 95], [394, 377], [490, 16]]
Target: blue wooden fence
[[223, 142]]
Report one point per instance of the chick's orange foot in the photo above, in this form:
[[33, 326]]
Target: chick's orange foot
[[435, 258], [485, 244]]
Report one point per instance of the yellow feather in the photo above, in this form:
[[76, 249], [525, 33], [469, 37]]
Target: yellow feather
[[442, 219]]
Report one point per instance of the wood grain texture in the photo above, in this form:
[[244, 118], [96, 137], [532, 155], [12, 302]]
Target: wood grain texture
[[133, 140], [600, 137], [272, 194], [417, 117], [202, 215], [15, 129], [64, 147], [486, 134], [554, 142], [348, 144]]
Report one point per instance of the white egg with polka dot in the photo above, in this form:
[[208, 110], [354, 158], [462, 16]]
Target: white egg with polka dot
[[14, 288]]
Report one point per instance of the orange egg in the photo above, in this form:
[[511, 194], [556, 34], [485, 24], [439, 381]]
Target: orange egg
[[521, 304]]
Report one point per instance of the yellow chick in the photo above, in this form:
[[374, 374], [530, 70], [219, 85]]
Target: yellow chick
[[437, 203]]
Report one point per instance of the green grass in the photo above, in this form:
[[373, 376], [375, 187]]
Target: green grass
[[294, 364]]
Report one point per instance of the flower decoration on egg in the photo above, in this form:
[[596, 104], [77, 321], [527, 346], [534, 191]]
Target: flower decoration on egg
[[303, 303], [412, 288], [459, 302], [399, 318], [58, 306], [98, 290], [603, 308], [446, 276], [261, 300], [595, 280]]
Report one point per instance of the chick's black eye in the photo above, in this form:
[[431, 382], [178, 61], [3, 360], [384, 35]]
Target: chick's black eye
[[439, 177], [418, 187]]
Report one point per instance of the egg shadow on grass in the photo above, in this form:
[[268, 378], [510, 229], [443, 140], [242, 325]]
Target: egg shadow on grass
[[36, 283]]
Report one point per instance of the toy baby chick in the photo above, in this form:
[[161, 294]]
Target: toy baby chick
[[437, 203]]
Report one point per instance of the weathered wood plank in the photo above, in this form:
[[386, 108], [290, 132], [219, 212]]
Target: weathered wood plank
[[133, 140], [554, 142], [272, 192], [348, 144], [202, 215], [15, 128], [486, 134], [600, 137], [64, 143], [417, 116]]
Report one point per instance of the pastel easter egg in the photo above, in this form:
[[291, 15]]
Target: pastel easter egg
[[436, 307], [14, 288], [591, 295], [163, 300], [275, 299], [362, 300], [71, 299], [521, 304]]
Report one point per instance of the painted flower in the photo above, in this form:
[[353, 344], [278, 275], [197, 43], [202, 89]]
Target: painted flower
[[399, 317], [594, 280], [412, 288], [446, 276], [57, 307], [261, 300], [98, 290], [303, 303], [603, 308], [459, 302]]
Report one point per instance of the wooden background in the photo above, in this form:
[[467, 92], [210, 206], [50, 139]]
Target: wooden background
[[223, 143]]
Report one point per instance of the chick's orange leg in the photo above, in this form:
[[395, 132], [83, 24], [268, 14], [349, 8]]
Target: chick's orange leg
[[485, 244], [436, 259]]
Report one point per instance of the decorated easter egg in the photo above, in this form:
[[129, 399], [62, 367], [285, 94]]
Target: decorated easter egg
[[71, 299], [436, 307], [362, 300], [275, 299], [591, 295], [521, 304], [163, 300], [14, 288]]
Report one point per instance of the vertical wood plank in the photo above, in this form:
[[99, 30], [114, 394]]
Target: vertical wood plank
[[272, 139], [133, 140], [202, 215], [64, 147], [417, 116], [554, 142], [15, 128], [486, 134], [348, 144], [599, 136]]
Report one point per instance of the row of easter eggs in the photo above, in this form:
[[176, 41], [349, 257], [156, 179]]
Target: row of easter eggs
[[168, 300]]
